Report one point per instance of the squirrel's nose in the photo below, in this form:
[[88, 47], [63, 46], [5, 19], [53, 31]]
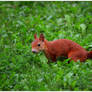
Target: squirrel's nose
[[34, 51]]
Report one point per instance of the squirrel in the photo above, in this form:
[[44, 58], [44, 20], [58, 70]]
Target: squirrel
[[58, 48]]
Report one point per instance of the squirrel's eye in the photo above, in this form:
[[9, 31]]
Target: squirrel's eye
[[38, 44]]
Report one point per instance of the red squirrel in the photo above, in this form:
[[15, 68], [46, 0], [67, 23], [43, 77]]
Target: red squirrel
[[59, 48]]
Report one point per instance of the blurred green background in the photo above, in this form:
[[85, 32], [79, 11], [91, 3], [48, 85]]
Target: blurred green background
[[20, 69]]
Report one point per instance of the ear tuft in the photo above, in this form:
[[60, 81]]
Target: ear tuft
[[41, 37], [35, 36]]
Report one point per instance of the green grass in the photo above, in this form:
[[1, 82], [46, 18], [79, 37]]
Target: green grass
[[20, 69]]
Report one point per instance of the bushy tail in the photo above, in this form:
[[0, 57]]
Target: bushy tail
[[89, 55]]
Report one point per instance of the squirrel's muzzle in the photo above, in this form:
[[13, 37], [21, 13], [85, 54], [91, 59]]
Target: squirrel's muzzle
[[34, 51]]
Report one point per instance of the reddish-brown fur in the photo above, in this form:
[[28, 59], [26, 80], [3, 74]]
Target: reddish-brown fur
[[59, 48]]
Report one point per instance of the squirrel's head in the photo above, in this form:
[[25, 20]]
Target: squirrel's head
[[38, 43]]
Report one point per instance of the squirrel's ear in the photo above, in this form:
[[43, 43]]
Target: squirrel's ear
[[41, 37], [35, 36]]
